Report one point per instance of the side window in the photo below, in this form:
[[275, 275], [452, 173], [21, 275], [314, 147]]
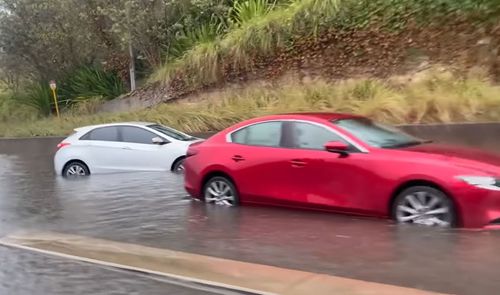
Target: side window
[[262, 134], [102, 134], [310, 136], [137, 135]]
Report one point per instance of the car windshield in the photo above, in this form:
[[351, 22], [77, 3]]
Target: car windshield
[[171, 132], [376, 134]]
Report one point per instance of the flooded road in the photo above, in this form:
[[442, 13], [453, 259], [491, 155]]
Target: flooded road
[[26, 273], [152, 209]]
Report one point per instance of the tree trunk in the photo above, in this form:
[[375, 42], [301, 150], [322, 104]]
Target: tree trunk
[[131, 66]]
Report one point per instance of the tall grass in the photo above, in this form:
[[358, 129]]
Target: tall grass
[[12, 110], [437, 98], [187, 39], [246, 11], [261, 27], [309, 15]]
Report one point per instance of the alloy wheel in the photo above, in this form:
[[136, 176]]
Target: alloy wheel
[[220, 192], [425, 208], [76, 170], [179, 168]]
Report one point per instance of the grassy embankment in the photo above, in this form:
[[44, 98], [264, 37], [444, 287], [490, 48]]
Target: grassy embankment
[[437, 98], [262, 33]]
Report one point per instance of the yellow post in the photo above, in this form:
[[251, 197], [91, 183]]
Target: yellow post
[[53, 86]]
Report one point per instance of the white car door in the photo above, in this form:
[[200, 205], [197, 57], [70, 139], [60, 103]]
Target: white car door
[[143, 154], [105, 153]]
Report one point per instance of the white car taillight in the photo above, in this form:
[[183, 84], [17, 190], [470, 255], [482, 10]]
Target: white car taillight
[[62, 144]]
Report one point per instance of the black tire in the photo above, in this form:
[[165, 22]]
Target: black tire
[[75, 169], [178, 166], [222, 183], [416, 205]]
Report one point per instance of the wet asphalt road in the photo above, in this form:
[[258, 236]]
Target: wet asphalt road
[[27, 273], [152, 209]]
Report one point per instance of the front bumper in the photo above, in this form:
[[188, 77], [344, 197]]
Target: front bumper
[[192, 181], [478, 208]]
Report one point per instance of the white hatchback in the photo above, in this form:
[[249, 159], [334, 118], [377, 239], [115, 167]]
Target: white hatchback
[[134, 146]]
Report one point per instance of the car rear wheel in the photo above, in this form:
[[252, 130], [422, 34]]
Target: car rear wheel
[[425, 206], [220, 191], [75, 169]]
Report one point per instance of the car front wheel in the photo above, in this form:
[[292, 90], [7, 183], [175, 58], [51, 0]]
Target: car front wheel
[[178, 166], [220, 190], [425, 206]]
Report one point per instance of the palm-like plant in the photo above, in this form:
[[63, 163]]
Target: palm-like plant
[[37, 96], [245, 11], [91, 82]]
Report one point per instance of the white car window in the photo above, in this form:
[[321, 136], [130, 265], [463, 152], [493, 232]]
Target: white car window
[[137, 135]]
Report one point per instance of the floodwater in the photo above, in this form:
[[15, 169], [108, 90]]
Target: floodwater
[[152, 209]]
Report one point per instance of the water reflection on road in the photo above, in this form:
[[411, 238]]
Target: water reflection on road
[[152, 209]]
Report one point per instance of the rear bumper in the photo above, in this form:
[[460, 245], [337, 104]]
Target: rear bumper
[[58, 165]]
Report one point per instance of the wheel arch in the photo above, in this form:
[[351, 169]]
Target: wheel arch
[[215, 173], [180, 158], [75, 161], [423, 182]]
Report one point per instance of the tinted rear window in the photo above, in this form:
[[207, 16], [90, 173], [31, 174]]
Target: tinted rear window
[[102, 134]]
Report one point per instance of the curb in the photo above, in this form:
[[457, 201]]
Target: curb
[[211, 271]]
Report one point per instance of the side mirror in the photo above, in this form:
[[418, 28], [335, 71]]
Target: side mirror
[[337, 147], [158, 140]]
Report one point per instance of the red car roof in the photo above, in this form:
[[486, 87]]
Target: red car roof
[[326, 116]]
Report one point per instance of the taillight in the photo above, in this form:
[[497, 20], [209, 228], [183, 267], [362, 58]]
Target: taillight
[[62, 144]]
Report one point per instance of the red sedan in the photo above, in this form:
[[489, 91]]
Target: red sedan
[[345, 163]]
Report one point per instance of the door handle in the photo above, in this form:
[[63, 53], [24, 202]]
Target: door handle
[[297, 163], [238, 158], [126, 148]]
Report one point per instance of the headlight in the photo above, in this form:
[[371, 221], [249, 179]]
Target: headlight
[[486, 182]]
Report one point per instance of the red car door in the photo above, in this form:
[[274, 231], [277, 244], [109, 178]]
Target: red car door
[[327, 180], [260, 165], [339, 183]]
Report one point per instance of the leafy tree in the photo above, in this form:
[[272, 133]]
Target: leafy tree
[[48, 37]]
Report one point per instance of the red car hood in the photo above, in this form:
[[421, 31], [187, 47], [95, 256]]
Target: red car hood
[[469, 157]]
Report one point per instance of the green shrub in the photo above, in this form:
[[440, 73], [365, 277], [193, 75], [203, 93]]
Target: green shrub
[[38, 96], [87, 83], [187, 39], [90, 82], [12, 110], [247, 10]]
